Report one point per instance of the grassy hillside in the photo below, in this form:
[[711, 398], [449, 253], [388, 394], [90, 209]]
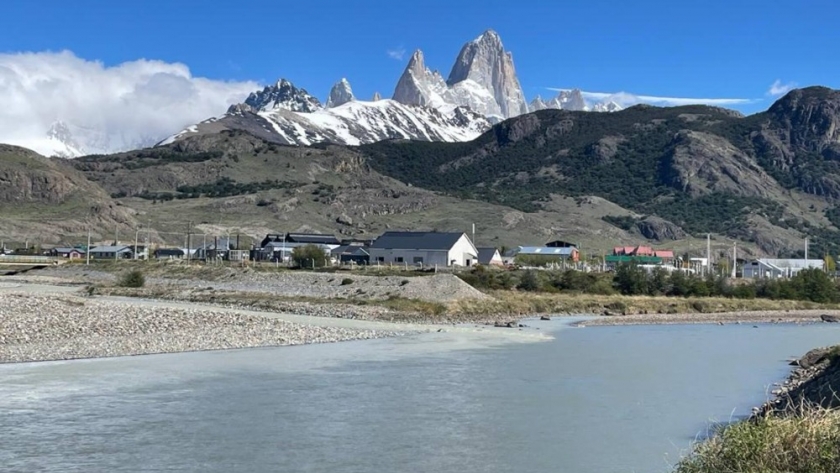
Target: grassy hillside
[[46, 201], [771, 178]]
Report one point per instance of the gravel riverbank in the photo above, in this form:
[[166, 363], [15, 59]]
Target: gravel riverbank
[[743, 317], [431, 288], [59, 327]]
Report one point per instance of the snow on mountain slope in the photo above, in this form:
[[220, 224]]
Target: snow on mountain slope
[[352, 123]]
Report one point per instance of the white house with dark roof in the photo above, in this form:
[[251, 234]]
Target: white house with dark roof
[[779, 268], [424, 248], [490, 257]]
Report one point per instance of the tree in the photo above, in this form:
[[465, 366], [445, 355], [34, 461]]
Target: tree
[[830, 264], [631, 280], [309, 256]]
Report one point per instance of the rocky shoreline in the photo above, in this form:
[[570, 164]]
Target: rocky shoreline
[[61, 327], [814, 380]]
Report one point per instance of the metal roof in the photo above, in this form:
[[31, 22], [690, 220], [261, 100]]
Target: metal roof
[[109, 249], [791, 263], [317, 238], [417, 241], [544, 250]]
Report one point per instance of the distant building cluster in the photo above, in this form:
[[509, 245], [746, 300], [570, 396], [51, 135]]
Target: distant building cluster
[[426, 249]]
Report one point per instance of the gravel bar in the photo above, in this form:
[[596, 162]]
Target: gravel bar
[[61, 327]]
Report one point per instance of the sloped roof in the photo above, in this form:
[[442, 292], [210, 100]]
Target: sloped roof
[[109, 249], [417, 240], [66, 249], [544, 250], [315, 238], [792, 263], [485, 255]]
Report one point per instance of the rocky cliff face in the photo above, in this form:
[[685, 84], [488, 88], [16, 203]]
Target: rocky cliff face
[[47, 197], [484, 62], [340, 94], [420, 86]]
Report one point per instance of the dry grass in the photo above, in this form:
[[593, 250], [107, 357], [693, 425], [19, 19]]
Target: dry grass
[[806, 442]]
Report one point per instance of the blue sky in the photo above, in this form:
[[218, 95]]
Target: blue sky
[[708, 49]]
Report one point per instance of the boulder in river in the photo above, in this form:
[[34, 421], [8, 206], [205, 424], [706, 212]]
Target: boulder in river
[[830, 318]]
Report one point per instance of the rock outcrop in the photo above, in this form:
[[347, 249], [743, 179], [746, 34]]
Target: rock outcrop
[[659, 229], [283, 95], [420, 86], [340, 94]]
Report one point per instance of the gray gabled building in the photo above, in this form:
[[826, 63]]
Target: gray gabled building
[[423, 248]]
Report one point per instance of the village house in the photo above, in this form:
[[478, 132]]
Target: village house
[[110, 252], [779, 268], [561, 253], [67, 252], [489, 256], [279, 246], [423, 248], [351, 254], [217, 248], [169, 253]]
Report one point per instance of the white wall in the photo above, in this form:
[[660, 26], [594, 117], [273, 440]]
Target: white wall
[[429, 257], [462, 253]]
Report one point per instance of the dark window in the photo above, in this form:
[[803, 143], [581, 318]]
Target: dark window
[[398, 259]]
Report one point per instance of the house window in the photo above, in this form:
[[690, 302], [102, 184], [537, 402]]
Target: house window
[[418, 260], [398, 259], [380, 259]]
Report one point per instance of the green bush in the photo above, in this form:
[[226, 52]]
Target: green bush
[[133, 279], [346, 281], [529, 282], [308, 256]]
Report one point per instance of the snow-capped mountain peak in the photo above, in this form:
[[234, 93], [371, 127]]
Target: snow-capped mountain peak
[[420, 86], [351, 122], [340, 94], [285, 95]]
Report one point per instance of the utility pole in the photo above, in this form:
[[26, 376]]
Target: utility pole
[[473, 233], [734, 260], [87, 253], [708, 254], [189, 240], [806, 252]]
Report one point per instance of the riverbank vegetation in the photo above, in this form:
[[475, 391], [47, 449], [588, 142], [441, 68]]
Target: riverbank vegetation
[[811, 285], [808, 441]]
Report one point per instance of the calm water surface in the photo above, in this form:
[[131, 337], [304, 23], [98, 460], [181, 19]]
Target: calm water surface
[[600, 399]]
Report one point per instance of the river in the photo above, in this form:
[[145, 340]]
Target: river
[[596, 399]]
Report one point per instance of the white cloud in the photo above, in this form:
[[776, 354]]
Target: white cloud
[[107, 108], [397, 53], [627, 99], [777, 88]]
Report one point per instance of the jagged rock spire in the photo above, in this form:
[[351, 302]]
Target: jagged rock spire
[[485, 62], [340, 94]]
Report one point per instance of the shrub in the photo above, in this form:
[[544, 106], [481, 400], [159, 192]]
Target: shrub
[[308, 256], [404, 282], [528, 282], [132, 279], [346, 281]]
